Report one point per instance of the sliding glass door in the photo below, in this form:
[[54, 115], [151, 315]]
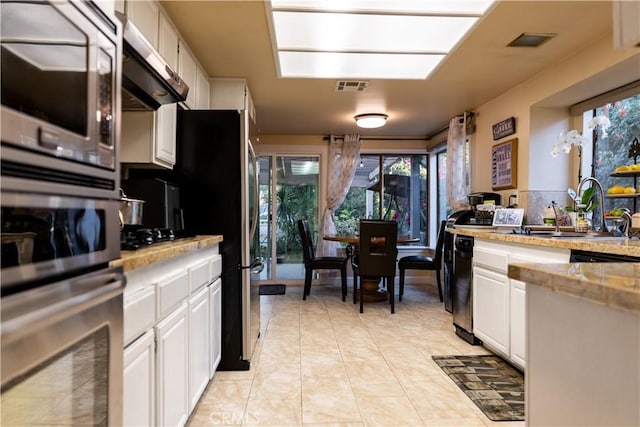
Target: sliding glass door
[[288, 192]]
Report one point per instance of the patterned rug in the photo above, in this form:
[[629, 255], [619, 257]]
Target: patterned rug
[[272, 289], [491, 383]]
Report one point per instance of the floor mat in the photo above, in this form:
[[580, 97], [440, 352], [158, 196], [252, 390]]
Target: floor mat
[[273, 289], [491, 383]]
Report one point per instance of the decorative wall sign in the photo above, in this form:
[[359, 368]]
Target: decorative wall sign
[[504, 128], [504, 165]]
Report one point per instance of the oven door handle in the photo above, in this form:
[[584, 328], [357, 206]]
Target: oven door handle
[[33, 309]]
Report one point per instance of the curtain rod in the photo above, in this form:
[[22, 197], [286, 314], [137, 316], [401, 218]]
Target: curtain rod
[[382, 138], [469, 114]]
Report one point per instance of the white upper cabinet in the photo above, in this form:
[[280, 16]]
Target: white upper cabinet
[[202, 90], [168, 41], [144, 15], [188, 70]]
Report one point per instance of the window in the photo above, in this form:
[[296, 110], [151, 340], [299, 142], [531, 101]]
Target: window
[[612, 149], [398, 193], [444, 210]]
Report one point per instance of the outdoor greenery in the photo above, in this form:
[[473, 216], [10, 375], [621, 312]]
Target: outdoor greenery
[[294, 202], [612, 149]]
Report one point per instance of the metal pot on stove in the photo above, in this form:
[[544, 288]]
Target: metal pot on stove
[[130, 210]]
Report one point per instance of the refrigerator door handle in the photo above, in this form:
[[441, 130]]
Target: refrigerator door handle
[[256, 191], [255, 267]]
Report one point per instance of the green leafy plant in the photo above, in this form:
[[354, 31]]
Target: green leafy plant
[[587, 199]]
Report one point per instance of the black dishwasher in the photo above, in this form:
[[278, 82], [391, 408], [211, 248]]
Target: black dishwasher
[[585, 256], [462, 289]]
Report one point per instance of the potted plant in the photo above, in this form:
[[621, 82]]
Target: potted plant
[[582, 205]]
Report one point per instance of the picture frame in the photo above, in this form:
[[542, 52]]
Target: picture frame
[[504, 128], [504, 165], [508, 218]]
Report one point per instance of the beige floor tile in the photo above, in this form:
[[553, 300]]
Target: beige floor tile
[[329, 408], [320, 363], [388, 411], [276, 381], [272, 412]]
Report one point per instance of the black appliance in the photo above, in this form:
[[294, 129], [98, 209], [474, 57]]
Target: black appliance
[[162, 202], [462, 289], [148, 81], [135, 237], [216, 170], [585, 256]]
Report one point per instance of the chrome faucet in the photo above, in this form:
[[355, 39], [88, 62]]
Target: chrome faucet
[[626, 217], [603, 225], [555, 213]]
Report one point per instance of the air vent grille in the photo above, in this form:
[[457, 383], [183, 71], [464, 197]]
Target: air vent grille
[[351, 86], [531, 39]]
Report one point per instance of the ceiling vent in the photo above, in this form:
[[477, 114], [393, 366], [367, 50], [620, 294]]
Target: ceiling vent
[[351, 86], [531, 39]]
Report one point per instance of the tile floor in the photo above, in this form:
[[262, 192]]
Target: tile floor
[[320, 362]]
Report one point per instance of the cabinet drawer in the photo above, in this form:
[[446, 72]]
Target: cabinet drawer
[[171, 291], [490, 258], [216, 267], [139, 312], [199, 274]]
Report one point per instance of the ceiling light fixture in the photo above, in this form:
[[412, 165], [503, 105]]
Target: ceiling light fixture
[[371, 120]]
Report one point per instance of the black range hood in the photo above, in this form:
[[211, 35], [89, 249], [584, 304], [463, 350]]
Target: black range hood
[[147, 80]]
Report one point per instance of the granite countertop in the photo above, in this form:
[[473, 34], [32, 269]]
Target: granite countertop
[[616, 285], [130, 260], [612, 245]]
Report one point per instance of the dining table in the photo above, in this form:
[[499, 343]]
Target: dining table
[[370, 289]]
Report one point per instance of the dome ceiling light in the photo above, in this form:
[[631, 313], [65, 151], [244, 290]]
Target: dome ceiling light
[[371, 120]]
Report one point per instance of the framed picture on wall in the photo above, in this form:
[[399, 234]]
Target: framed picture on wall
[[504, 165]]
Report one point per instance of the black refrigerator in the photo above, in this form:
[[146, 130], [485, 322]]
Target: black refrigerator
[[217, 170]]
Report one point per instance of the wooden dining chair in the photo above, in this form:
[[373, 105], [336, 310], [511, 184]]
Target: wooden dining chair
[[377, 254], [311, 262], [417, 262]]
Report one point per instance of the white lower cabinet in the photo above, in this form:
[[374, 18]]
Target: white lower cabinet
[[491, 309], [138, 405], [198, 345], [499, 303], [518, 318], [172, 313], [173, 373], [215, 323]]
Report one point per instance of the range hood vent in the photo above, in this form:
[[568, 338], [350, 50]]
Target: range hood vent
[[147, 80]]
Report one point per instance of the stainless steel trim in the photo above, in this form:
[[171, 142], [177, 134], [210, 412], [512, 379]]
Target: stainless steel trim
[[147, 79], [15, 275], [256, 193], [38, 324]]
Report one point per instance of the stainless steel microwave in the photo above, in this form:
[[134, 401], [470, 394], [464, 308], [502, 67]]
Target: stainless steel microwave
[[60, 68]]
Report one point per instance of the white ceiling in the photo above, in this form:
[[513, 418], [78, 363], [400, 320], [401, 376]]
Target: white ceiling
[[232, 39]]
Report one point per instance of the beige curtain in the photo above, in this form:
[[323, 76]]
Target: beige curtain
[[344, 157], [457, 186]]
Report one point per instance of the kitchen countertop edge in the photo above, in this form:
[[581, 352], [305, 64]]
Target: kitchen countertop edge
[[618, 246], [616, 285], [142, 257]]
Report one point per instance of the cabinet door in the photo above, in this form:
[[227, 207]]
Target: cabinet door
[[491, 309], [202, 90], [188, 71], [173, 372], [518, 319], [198, 345], [138, 388], [168, 41], [165, 141], [215, 324], [144, 15]]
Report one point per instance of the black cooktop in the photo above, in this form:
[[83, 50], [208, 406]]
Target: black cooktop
[[135, 237]]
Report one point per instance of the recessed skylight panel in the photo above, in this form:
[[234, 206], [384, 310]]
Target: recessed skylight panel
[[475, 7], [357, 65], [368, 33]]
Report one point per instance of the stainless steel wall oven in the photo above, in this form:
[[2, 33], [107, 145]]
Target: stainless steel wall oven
[[61, 302]]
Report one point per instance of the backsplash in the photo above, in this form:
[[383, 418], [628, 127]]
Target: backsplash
[[537, 201]]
